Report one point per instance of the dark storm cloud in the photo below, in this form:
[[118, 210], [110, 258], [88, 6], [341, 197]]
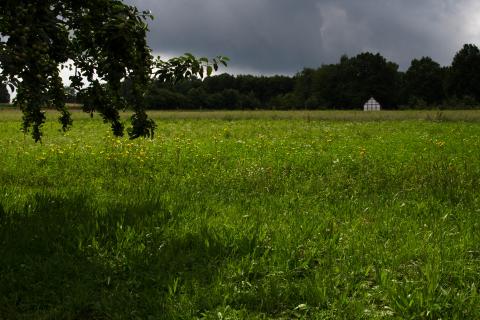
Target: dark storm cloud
[[283, 36]]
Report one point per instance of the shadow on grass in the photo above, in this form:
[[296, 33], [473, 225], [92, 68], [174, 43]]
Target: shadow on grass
[[62, 258]]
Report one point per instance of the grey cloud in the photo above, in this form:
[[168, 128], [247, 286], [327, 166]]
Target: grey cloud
[[283, 36]]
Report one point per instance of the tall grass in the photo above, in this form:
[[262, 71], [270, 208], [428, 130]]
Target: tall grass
[[242, 218]]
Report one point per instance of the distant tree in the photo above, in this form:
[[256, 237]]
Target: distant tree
[[463, 79], [242, 91], [328, 87], [312, 103], [371, 75], [216, 101], [350, 83], [219, 83], [106, 42], [424, 81], [70, 95], [165, 99], [402, 94], [4, 94], [303, 84], [273, 86], [198, 97], [249, 101], [231, 99], [286, 101], [185, 86]]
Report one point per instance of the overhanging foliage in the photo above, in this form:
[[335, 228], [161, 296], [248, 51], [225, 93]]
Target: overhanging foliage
[[103, 42]]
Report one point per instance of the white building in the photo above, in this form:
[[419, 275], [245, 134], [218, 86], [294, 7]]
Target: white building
[[372, 105]]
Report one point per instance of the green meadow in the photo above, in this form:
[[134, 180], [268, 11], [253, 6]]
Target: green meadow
[[243, 215]]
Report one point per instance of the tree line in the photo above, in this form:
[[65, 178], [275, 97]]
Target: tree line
[[347, 84], [344, 85]]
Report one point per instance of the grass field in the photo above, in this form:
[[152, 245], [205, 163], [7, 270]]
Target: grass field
[[278, 215]]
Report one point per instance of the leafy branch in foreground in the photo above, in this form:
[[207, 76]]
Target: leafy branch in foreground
[[187, 67], [104, 41]]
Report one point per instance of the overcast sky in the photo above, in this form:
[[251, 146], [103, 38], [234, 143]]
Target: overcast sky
[[283, 36]]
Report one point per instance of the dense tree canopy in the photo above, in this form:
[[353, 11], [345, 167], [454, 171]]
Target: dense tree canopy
[[351, 82], [424, 81], [464, 74], [104, 42], [347, 84]]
